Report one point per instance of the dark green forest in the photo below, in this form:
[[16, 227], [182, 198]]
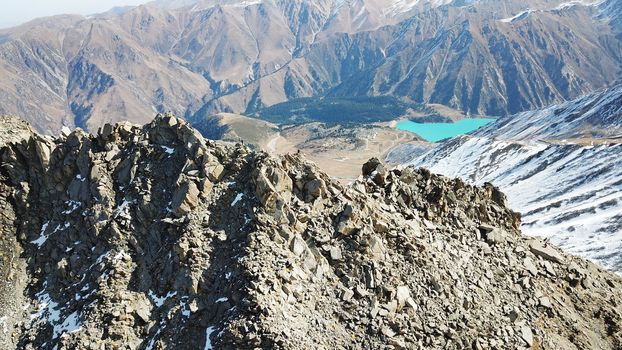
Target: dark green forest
[[332, 110]]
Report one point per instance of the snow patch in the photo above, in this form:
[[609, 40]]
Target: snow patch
[[399, 7], [168, 150], [71, 206], [72, 324], [50, 312], [208, 334], [247, 3], [571, 194], [185, 308], [574, 3], [123, 210], [159, 301], [43, 238], [517, 17], [237, 199]]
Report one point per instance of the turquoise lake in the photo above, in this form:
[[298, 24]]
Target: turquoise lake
[[434, 132]]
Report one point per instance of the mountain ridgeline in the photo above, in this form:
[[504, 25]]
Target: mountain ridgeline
[[488, 57], [153, 238]]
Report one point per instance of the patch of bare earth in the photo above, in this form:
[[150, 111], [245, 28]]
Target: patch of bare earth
[[340, 151]]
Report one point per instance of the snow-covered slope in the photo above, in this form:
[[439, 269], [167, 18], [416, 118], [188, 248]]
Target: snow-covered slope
[[392, 6], [594, 116], [569, 191], [613, 10]]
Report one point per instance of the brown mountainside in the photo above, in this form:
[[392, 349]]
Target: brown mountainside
[[485, 57]]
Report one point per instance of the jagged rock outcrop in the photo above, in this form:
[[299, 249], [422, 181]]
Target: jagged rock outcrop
[[13, 276], [153, 237]]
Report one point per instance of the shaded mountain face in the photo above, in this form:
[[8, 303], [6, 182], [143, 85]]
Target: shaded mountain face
[[155, 238], [201, 57], [613, 11], [561, 167]]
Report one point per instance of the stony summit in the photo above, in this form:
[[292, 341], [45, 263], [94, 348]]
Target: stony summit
[[153, 237]]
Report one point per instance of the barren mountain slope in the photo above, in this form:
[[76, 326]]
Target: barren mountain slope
[[465, 57], [80, 72], [484, 57]]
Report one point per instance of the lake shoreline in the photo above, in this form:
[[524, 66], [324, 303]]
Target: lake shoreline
[[434, 132]]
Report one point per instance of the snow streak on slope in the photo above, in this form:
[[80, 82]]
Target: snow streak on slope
[[391, 8], [518, 17], [404, 6], [597, 115], [569, 193], [570, 4]]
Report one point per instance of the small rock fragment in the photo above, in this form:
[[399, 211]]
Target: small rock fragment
[[527, 335], [545, 252], [335, 254]]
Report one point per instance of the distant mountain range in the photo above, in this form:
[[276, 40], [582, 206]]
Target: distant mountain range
[[561, 167], [197, 58]]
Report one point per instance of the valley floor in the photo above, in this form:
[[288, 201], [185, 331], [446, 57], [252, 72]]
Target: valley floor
[[340, 150], [341, 156]]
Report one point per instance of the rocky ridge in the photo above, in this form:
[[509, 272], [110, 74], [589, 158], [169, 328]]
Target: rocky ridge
[[153, 237]]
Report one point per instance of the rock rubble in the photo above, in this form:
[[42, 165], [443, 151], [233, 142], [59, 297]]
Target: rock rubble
[[153, 237]]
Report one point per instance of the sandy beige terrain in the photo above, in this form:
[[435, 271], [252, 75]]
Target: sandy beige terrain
[[338, 150], [345, 164]]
